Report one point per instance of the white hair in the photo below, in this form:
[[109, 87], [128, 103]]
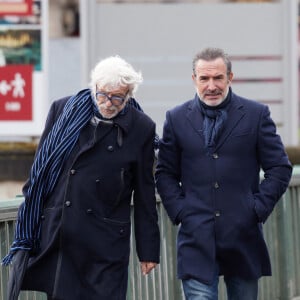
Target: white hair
[[113, 72]]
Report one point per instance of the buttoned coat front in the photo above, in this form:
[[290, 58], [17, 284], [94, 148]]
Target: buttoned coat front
[[217, 197], [85, 239]]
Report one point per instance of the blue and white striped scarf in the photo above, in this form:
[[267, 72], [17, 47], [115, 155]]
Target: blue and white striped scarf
[[47, 167]]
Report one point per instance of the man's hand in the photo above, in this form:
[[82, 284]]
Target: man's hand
[[146, 267]]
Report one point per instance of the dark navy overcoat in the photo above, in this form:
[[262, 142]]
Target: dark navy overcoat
[[85, 239], [217, 197]]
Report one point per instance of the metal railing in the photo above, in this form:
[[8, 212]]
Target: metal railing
[[282, 233]]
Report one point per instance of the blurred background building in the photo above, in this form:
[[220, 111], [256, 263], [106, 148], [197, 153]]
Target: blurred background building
[[160, 37], [66, 38], [152, 33], [50, 51]]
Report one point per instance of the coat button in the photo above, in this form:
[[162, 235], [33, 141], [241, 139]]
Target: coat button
[[89, 211], [110, 148], [215, 155], [42, 217], [73, 172], [216, 185], [122, 231], [217, 213], [68, 203]]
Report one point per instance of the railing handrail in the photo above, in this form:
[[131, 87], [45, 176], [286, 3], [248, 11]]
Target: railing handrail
[[281, 232]]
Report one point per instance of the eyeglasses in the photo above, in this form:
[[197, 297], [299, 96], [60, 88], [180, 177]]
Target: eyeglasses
[[115, 100]]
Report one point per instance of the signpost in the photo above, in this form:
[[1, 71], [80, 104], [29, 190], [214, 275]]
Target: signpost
[[23, 68], [15, 7], [16, 92]]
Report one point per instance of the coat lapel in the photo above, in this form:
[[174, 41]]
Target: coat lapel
[[95, 131], [92, 133], [235, 114], [195, 117]]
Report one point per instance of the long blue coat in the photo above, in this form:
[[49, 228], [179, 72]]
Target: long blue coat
[[86, 228], [217, 198]]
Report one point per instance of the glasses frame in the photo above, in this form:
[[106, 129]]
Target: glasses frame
[[114, 100]]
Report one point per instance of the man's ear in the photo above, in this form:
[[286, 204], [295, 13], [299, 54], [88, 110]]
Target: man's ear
[[193, 77]]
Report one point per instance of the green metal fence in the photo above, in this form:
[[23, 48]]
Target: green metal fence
[[282, 232]]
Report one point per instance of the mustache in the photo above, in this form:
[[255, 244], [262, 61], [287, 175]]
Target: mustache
[[213, 93], [112, 108]]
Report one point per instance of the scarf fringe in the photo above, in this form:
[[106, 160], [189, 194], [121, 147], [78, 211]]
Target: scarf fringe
[[6, 261], [19, 245]]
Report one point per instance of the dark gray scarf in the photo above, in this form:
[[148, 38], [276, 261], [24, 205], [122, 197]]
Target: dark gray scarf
[[214, 120]]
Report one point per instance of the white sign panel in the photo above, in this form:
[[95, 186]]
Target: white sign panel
[[23, 72]]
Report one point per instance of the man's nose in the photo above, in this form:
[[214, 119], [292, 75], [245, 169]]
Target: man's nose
[[108, 102], [211, 84]]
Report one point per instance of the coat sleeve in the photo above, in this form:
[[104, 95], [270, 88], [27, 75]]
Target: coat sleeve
[[145, 214], [275, 164], [168, 173]]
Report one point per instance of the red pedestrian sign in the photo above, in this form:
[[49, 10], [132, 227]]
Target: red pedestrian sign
[[16, 7], [16, 93]]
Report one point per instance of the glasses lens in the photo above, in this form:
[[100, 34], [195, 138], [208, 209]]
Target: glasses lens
[[115, 100], [101, 96]]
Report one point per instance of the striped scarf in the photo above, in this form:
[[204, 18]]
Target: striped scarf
[[47, 167]]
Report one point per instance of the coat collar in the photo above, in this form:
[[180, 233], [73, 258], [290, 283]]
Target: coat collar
[[195, 116], [90, 132], [235, 114], [125, 120]]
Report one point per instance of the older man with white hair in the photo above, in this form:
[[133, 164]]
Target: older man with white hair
[[96, 151]]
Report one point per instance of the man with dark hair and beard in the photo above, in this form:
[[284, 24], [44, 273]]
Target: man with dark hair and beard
[[208, 176]]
